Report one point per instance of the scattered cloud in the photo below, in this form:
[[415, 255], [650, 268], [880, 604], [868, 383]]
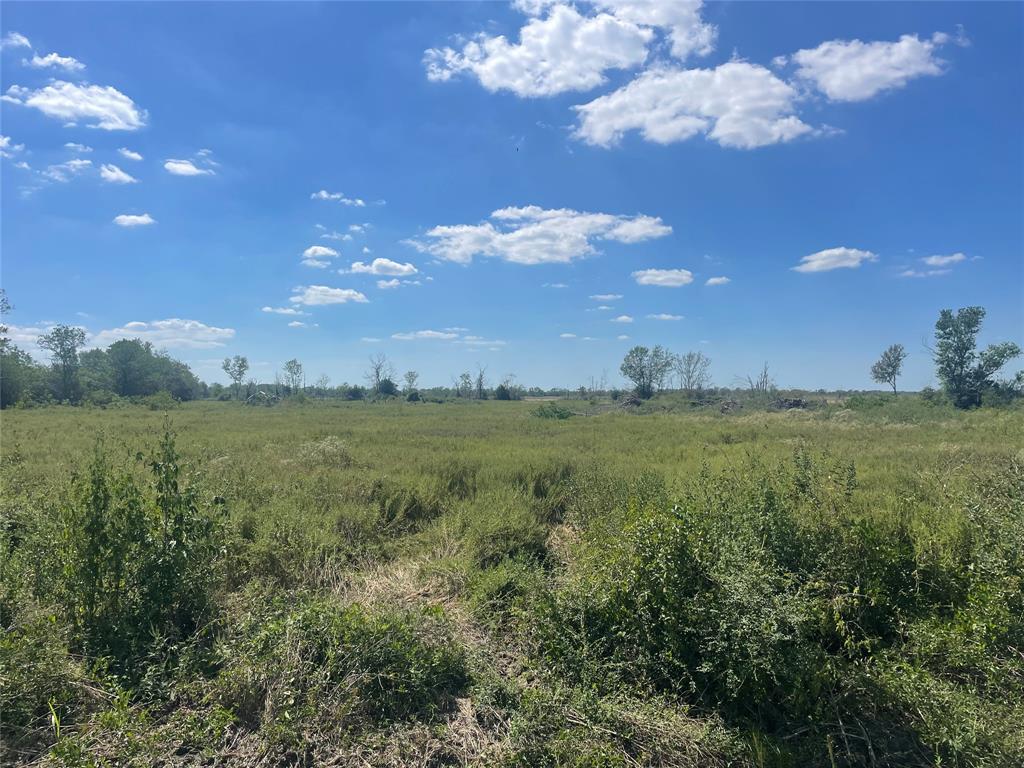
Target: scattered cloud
[[338, 197], [924, 272], [428, 335], [15, 40], [381, 266], [942, 261], [322, 295], [8, 148], [317, 255], [186, 168], [357, 227], [554, 285], [717, 281], [622, 319], [129, 154], [172, 333], [852, 70], [534, 235], [54, 60], [664, 278], [336, 236], [736, 104], [115, 175], [567, 335], [834, 258], [622, 337], [606, 296], [134, 220], [664, 316], [283, 311], [62, 172], [75, 147], [300, 324], [562, 49], [370, 339], [100, 107], [387, 284]]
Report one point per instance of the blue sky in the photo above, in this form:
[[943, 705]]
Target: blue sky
[[478, 172]]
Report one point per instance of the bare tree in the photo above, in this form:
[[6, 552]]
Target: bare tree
[[693, 370], [379, 370], [321, 385], [763, 384], [481, 382], [411, 377]]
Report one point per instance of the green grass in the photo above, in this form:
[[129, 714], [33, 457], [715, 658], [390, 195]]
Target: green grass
[[466, 583]]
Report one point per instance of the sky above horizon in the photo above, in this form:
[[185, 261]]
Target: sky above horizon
[[532, 187]]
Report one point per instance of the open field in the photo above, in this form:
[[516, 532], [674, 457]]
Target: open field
[[470, 584]]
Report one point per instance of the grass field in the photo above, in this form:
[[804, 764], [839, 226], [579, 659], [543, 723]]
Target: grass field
[[471, 584]]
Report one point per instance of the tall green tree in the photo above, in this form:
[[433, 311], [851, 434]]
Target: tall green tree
[[647, 368], [889, 366], [63, 343], [236, 367], [965, 373]]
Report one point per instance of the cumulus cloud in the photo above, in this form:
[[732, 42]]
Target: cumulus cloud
[[54, 60], [939, 265], [15, 40], [533, 235], [664, 316], [172, 333], [942, 261], [321, 295], [562, 49], [317, 255], [664, 278], [283, 311], [98, 106], [834, 258], [382, 266], [62, 172], [336, 236], [622, 319], [133, 220], [338, 197], [736, 104], [76, 147], [852, 70], [115, 175], [129, 154], [717, 281], [924, 272], [8, 148], [186, 168], [425, 335]]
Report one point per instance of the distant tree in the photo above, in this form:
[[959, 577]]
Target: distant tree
[[501, 392], [965, 374], [508, 389], [889, 366], [411, 377], [380, 369], [321, 385], [130, 363], [763, 384], [646, 368], [5, 309], [236, 367], [63, 343], [386, 387], [293, 375], [464, 386], [481, 382], [693, 370]]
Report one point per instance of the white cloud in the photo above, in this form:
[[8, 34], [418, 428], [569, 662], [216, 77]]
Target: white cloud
[[381, 266], [925, 272], [852, 70], [942, 261], [169, 334], [370, 339], [67, 63], [479, 341], [717, 281], [323, 194], [8, 148], [533, 235], [115, 175], [357, 227], [102, 107], [300, 324], [62, 172], [335, 236], [834, 258], [15, 40], [133, 220], [321, 295], [283, 311], [561, 49], [129, 154], [186, 168], [429, 335], [457, 329], [606, 296], [387, 284], [664, 316], [622, 319], [554, 285], [622, 337], [367, 251], [75, 147], [567, 335], [736, 104], [317, 255], [664, 278]]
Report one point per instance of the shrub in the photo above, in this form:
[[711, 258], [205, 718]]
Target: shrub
[[552, 411]]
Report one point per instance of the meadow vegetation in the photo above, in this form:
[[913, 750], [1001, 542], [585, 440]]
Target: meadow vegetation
[[507, 583]]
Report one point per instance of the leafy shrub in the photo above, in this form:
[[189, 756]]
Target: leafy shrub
[[295, 663], [413, 397], [159, 401], [552, 411]]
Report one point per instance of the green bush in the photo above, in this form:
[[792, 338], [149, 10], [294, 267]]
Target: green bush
[[552, 411]]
